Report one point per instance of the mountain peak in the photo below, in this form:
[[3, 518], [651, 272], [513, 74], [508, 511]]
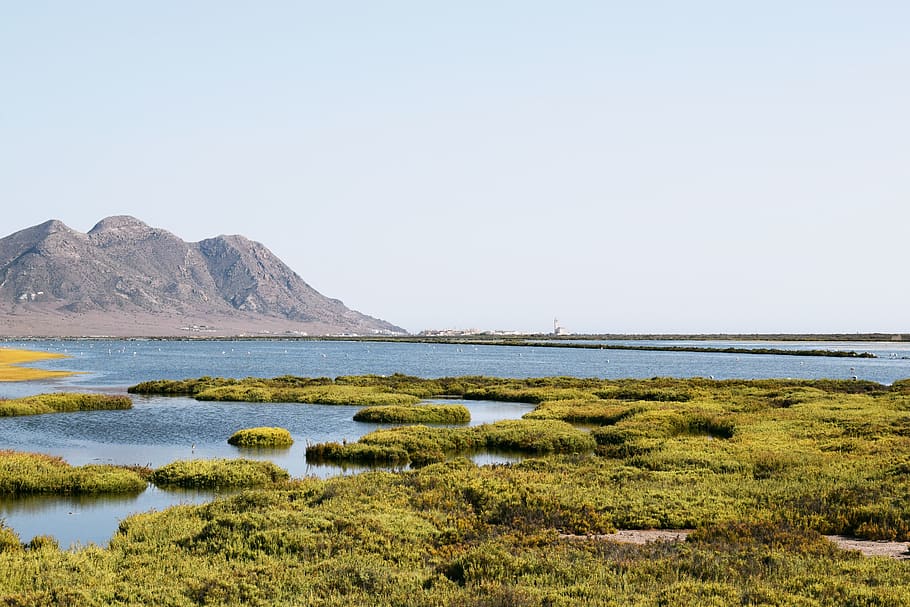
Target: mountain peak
[[52, 226], [119, 223], [125, 274]]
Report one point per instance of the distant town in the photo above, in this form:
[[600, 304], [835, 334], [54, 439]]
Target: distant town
[[558, 330]]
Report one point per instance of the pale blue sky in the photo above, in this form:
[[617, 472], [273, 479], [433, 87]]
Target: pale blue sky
[[625, 166]]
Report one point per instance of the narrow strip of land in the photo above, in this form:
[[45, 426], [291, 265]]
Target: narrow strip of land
[[544, 342], [11, 368]]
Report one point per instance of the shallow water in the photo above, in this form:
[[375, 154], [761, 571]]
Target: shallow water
[[160, 430], [120, 363]]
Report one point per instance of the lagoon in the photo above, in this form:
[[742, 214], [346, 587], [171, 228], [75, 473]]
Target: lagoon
[[159, 430]]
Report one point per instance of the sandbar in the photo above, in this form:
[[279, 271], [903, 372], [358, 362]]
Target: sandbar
[[11, 369]]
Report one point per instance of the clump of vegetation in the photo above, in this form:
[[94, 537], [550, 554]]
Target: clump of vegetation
[[285, 389], [357, 453], [422, 444], [323, 395], [416, 414], [584, 411], [643, 393], [61, 402], [218, 474], [35, 473], [261, 437]]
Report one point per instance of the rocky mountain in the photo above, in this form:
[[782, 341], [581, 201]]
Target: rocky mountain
[[126, 278]]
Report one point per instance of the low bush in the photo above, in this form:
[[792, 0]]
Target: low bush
[[585, 411], [261, 437], [425, 445], [218, 473], [358, 453], [417, 414]]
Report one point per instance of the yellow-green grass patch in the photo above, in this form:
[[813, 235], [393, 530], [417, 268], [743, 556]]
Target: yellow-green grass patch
[[11, 368]]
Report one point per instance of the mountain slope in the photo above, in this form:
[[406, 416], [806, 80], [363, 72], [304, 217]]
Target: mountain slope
[[127, 278]]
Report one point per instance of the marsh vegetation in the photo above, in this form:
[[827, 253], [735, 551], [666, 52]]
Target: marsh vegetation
[[414, 414], [261, 437], [218, 474], [760, 470], [38, 474], [62, 402]]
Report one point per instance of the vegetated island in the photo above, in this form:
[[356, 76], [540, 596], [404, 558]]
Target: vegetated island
[[11, 368], [261, 437], [758, 470], [414, 414], [39, 474], [62, 402]]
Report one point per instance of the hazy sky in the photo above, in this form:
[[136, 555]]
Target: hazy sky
[[626, 166]]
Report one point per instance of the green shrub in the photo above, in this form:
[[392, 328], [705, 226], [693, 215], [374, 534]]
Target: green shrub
[[218, 473], [425, 445], [422, 414], [9, 541], [61, 402], [587, 411], [43, 542], [261, 437], [644, 394], [535, 436], [357, 453], [35, 473]]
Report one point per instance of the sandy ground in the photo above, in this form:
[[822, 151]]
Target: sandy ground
[[11, 371], [895, 550]]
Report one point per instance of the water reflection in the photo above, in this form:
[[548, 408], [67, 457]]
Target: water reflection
[[160, 430], [83, 520]]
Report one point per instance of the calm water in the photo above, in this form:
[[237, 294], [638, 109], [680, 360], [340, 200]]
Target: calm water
[[160, 430]]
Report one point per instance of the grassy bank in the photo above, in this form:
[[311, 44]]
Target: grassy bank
[[37, 474], [11, 368], [287, 389], [62, 402]]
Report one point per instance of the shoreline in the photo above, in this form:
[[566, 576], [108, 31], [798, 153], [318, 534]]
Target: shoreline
[[542, 341]]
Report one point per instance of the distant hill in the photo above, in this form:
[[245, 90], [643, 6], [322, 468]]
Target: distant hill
[[125, 278]]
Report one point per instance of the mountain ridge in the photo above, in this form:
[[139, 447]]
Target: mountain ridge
[[126, 278]]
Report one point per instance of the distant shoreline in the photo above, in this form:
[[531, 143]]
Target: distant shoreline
[[570, 341]]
